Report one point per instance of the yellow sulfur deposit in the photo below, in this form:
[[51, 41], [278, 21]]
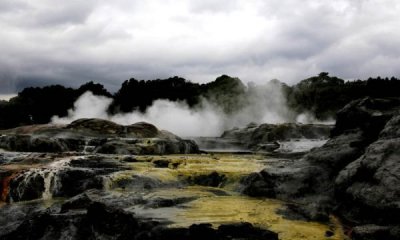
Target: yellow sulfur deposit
[[222, 205], [259, 212]]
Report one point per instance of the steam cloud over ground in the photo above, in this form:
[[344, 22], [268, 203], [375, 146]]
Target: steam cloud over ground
[[263, 104]]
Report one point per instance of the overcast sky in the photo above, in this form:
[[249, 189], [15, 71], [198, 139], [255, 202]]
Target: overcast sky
[[72, 42]]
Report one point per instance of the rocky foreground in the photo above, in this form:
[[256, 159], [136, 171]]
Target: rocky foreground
[[98, 196], [91, 180]]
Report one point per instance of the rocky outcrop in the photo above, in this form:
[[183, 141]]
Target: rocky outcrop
[[255, 134], [370, 186], [355, 174], [97, 127], [265, 137], [95, 135]]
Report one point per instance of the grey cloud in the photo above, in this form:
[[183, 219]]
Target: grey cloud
[[9, 6], [213, 6], [58, 15], [44, 14], [78, 41], [7, 82]]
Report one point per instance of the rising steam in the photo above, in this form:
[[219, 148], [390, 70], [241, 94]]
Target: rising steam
[[264, 104]]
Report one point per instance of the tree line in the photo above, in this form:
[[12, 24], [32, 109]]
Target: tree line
[[321, 95]]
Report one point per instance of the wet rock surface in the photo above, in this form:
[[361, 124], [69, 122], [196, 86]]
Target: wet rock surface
[[95, 135], [64, 179], [355, 174]]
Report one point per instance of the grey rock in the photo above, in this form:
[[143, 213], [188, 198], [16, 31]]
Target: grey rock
[[370, 186], [266, 137], [95, 135], [356, 173]]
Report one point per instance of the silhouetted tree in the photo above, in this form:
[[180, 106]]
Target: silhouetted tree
[[95, 88], [324, 95], [41, 104], [226, 92], [135, 94]]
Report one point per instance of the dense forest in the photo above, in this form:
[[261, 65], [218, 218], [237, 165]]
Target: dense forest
[[321, 95]]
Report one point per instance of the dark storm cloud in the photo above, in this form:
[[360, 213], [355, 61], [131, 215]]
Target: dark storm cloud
[[72, 42], [7, 81]]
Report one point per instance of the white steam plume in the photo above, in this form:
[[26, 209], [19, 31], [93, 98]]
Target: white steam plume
[[264, 104], [86, 106], [307, 118], [176, 117]]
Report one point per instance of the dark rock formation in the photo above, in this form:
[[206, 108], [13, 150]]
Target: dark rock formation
[[95, 135], [137, 182], [264, 137], [370, 185], [213, 179], [255, 134], [76, 176], [356, 173], [29, 143], [224, 232], [373, 232], [27, 186], [246, 231], [161, 163], [168, 202]]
